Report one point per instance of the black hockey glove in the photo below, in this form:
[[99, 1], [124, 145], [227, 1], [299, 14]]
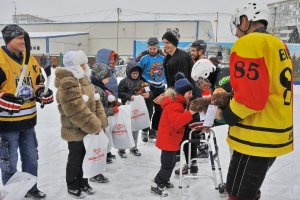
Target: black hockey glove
[[43, 98], [9, 103]]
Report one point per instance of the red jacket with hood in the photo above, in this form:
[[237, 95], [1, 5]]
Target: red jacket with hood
[[172, 123]]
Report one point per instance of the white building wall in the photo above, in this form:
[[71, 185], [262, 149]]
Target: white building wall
[[38, 45], [68, 43], [104, 34]]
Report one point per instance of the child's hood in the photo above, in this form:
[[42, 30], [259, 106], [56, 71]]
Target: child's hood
[[172, 97], [131, 66]]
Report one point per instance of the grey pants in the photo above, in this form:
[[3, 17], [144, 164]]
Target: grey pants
[[135, 135]]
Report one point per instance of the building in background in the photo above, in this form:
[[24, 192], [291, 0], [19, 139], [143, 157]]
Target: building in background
[[29, 19], [115, 35], [284, 18]]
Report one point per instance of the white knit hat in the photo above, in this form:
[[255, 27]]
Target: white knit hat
[[72, 58], [72, 61]]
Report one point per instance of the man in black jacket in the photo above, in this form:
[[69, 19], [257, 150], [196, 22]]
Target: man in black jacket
[[176, 60]]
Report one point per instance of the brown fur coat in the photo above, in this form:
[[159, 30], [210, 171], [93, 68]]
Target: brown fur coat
[[78, 118]]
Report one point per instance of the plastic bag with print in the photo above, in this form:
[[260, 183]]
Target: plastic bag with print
[[94, 161], [120, 128]]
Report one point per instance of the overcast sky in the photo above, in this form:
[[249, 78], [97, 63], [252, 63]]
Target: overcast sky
[[99, 10]]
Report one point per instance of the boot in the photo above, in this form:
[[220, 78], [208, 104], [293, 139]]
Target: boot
[[122, 153], [99, 179], [145, 136], [152, 134], [36, 194], [158, 189], [134, 151]]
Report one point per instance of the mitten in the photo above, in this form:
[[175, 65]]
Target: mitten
[[116, 110], [200, 104], [221, 99]]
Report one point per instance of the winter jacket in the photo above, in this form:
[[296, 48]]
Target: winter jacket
[[180, 61], [260, 114], [78, 118], [100, 72], [103, 57], [127, 86], [10, 72], [153, 71], [172, 122]]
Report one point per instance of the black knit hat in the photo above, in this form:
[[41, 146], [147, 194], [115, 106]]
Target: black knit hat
[[171, 37], [182, 85], [11, 31]]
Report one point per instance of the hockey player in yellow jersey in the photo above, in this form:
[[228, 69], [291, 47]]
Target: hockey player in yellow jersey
[[260, 113], [18, 96]]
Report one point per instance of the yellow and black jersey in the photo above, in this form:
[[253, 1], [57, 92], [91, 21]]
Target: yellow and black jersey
[[260, 114], [10, 71]]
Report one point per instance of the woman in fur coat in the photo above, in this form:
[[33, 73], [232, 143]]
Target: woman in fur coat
[[81, 113]]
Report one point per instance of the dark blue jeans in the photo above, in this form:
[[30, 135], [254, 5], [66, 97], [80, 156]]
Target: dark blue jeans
[[26, 142]]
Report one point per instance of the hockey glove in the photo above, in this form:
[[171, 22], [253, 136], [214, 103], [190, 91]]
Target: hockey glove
[[43, 98], [9, 103]]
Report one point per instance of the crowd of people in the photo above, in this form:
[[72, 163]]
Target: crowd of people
[[259, 113]]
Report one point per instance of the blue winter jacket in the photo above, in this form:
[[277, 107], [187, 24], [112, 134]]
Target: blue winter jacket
[[103, 57], [153, 70]]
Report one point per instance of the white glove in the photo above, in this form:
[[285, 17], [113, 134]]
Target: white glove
[[111, 98]]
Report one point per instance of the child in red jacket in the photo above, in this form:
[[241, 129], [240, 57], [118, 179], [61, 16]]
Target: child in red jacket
[[170, 131]]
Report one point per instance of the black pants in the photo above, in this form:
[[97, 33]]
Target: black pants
[[74, 171], [155, 117], [168, 161], [193, 145], [246, 175]]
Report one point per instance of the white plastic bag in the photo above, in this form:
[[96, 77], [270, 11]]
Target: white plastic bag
[[120, 128], [108, 131], [139, 114], [94, 161], [17, 186]]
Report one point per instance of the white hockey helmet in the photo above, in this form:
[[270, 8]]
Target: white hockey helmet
[[254, 10], [202, 69]]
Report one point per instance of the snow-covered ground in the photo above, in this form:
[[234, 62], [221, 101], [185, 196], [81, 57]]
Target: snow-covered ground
[[130, 178]]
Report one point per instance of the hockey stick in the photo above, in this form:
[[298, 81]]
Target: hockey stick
[[27, 56], [48, 74]]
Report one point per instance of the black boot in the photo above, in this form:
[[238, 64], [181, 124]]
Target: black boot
[[36, 194]]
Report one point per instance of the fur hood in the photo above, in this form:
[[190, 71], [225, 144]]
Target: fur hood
[[172, 97]]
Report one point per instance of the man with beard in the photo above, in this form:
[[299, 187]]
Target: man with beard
[[198, 49], [153, 72]]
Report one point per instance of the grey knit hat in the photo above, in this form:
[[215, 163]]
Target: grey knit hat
[[101, 71], [11, 31]]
